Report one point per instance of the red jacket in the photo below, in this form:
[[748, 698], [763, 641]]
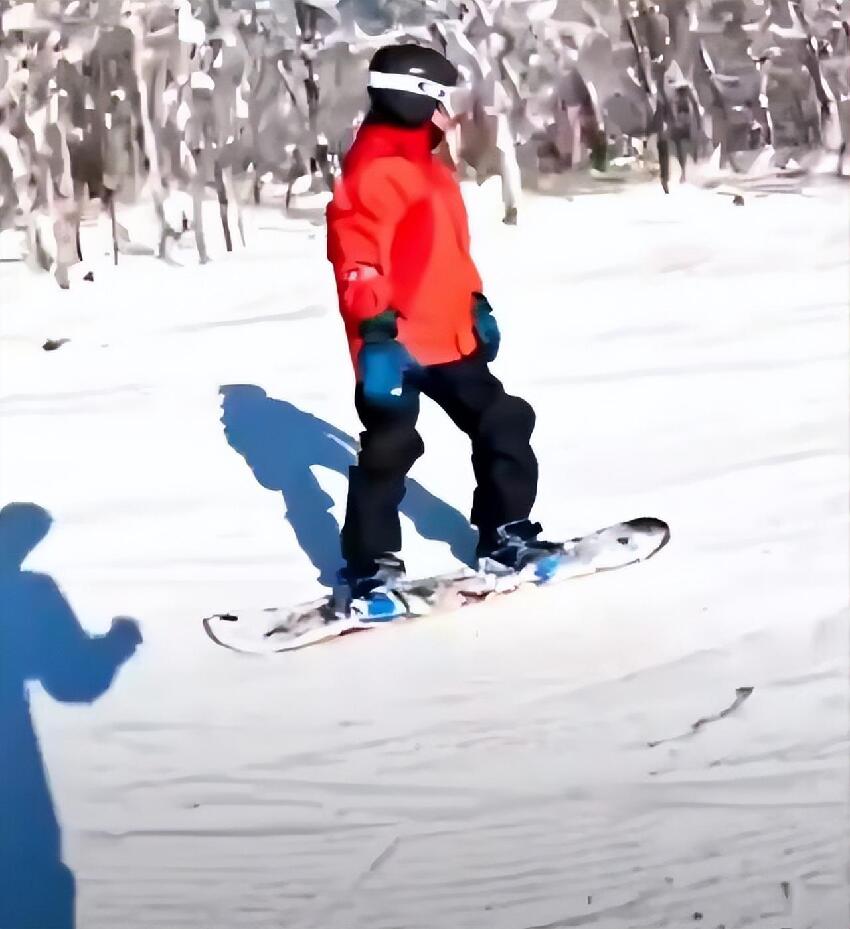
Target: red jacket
[[398, 237]]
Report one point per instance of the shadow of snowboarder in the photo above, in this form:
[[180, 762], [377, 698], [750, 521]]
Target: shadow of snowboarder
[[282, 443], [40, 641]]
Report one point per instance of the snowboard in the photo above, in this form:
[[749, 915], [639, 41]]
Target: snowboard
[[286, 629]]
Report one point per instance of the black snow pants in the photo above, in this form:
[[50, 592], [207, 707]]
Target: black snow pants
[[505, 468]]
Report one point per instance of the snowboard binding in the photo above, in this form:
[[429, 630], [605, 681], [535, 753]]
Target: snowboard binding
[[517, 550], [371, 594]]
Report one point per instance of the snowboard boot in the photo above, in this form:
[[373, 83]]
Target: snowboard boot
[[367, 589], [517, 549]]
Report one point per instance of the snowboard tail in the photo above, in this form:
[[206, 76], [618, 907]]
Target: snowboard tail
[[282, 629]]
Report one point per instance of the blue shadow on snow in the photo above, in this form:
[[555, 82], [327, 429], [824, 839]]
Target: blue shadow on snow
[[41, 641], [282, 443]]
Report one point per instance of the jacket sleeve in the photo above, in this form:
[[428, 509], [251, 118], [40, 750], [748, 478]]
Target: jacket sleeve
[[460, 220], [362, 217]]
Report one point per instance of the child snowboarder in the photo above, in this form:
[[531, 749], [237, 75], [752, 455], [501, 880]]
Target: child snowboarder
[[417, 322]]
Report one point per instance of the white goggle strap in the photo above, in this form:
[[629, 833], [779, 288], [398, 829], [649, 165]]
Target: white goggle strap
[[411, 83]]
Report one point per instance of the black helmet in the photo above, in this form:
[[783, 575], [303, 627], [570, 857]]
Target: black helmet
[[406, 82]]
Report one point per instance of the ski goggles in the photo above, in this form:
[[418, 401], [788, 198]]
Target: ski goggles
[[412, 84]]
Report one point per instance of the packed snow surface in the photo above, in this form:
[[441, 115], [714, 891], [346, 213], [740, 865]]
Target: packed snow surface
[[687, 358]]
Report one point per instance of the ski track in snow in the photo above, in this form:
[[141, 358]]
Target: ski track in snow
[[687, 359]]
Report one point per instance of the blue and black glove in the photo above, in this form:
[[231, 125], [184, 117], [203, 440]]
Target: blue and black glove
[[383, 361], [486, 327]]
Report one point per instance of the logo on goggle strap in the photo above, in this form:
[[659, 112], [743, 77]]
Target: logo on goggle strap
[[432, 90]]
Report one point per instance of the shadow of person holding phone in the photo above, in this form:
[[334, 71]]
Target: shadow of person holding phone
[[41, 641]]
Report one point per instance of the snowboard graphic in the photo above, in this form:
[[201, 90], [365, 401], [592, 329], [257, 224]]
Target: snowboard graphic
[[283, 629]]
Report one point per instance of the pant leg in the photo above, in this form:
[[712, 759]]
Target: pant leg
[[389, 445], [499, 426]]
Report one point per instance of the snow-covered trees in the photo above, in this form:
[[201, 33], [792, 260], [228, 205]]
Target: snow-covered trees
[[106, 98]]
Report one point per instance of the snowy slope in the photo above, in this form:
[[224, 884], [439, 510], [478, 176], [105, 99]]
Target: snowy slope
[[687, 358]]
